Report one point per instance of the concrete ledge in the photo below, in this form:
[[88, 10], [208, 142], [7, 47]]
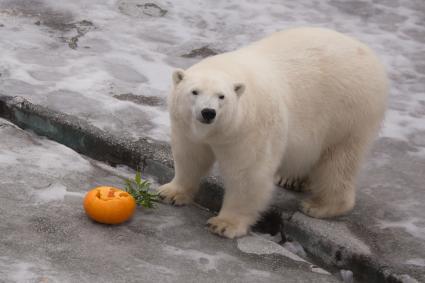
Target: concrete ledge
[[154, 157], [343, 251], [81, 136], [334, 245]]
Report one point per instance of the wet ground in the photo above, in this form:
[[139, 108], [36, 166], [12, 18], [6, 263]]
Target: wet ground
[[110, 63], [46, 236]]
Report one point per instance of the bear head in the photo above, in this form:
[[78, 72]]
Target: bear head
[[208, 100]]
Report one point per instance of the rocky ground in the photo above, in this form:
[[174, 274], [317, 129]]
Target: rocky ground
[[109, 63]]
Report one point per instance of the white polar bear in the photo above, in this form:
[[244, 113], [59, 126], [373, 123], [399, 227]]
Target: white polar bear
[[300, 104]]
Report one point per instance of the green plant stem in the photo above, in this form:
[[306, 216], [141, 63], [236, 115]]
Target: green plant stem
[[139, 189]]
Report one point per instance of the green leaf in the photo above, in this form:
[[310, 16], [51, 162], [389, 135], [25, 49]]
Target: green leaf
[[129, 186], [140, 190], [138, 177]]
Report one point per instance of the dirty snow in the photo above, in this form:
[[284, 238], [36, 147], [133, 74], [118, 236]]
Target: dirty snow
[[416, 261], [127, 47], [204, 261], [347, 276], [255, 244], [54, 192], [13, 270], [24, 157], [414, 226], [295, 247]]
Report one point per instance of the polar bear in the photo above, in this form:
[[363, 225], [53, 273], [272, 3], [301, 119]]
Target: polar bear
[[301, 104]]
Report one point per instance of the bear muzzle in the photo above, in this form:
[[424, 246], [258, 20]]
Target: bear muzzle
[[208, 115]]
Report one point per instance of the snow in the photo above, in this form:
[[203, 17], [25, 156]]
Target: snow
[[416, 261], [414, 226], [296, 248], [45, 172], [21, 272], [129, 47], [204, 261], [55, 192], [347, 276], [14, 270], [43, 155], [255, 244], [259, 245]]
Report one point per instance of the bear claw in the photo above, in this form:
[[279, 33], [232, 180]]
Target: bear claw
[[174, 196], [226, 228], [292, 184]]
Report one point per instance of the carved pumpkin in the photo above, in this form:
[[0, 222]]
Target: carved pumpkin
[[109, 205]]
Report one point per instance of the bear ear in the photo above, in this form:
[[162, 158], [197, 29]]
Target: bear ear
[[239, 88], [178, 76]]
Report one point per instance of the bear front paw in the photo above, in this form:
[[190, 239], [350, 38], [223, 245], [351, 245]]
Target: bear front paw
[[174, 195], [227, 228]]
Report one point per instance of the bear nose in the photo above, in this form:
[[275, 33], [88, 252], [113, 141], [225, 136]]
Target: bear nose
[[208, 114]]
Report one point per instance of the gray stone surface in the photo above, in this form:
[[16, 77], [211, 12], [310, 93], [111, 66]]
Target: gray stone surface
[[350, 242], [83, 57], [385, 231], [46, 237]]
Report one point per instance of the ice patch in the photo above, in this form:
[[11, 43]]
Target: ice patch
[[40, 155], [257, 273], [416, 261], [205, 262], [326, 229], [276, 238], [411, 226], [254, 244], [319, 270], [210, 262], [149, 267], [163, 222], [9, 159], [61, 157], [22, 272], [295, 247], [13, 270], [6, 123], [122, 171], [347, 276], [55, 192], [407, 279]]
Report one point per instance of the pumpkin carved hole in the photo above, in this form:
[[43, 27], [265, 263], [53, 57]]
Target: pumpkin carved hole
[[111, 193]]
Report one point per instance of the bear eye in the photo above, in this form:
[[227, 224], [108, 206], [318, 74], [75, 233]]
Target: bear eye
[[221, 96], [195, 92]]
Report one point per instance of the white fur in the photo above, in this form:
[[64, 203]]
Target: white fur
[[311, 101]]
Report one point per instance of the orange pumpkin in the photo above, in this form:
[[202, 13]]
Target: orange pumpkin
[[109, 205]]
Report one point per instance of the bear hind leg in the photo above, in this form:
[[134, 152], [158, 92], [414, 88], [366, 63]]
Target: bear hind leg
[[331, 181]]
